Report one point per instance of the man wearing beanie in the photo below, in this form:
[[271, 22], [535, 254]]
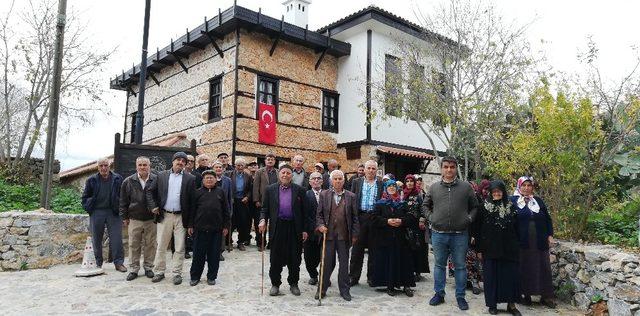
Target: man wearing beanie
[[174, 190], [283, 205]]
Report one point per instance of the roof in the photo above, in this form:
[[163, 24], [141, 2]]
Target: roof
[[224, 23], [165, 141], [404, 152], [386, 17]]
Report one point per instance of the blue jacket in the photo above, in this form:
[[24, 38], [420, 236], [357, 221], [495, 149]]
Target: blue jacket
[[92, 187], [225, 184], [542, 221]]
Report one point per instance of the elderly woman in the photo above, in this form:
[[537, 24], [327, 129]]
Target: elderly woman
[[535, 231], [393, 264], [413, 197], [497, 246]]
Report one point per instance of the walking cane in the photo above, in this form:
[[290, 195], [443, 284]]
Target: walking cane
[[262, 281], [324, 245]]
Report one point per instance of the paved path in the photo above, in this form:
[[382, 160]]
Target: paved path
[[57, 291]]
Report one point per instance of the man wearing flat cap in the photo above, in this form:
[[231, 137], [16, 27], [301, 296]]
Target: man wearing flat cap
[[174, 191], [283, 205]]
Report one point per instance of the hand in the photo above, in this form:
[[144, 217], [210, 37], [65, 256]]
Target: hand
[[391, 222], [190, 231], [258, 204], [245, 200], [398, 222], [551, 241], [479, 256], [304, 236], [354, 240], [225, 232], [323, 229], [125, 222], [156, 211], [262, 226], [422, 226], [473, 241]]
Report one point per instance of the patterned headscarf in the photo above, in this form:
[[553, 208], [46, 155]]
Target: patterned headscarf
[[387, 199], [414, 191], [529, 200]]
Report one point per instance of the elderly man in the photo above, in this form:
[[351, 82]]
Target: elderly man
[[300, 176], [337, 217], [264, 177], [368, 190], [174, 190], [241, 219], [203, 165], [137, 216], [283, 204], [101, 200], [359, 174], [313, 247], [450, 206], [224, 159], [191, 163], [224, 183]]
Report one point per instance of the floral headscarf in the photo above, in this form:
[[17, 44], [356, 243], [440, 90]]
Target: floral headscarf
[[528, 200], [387, 199], [415, 191]]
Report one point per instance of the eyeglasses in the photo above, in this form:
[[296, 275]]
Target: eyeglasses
[[316, 178], [191, 160]]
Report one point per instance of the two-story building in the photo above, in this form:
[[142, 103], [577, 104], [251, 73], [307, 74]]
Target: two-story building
[[209, 84]]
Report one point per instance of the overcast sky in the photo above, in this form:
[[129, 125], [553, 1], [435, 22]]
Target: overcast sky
[[563, 25]]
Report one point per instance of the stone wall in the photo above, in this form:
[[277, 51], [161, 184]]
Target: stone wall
[[586, 273], [39, 240], [34, 168]]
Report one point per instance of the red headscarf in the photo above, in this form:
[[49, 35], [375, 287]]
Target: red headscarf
[[409, 192]]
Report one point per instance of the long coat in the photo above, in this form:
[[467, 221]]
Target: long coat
[[260, 183], [310, 208], [323, 216], [271, 206]]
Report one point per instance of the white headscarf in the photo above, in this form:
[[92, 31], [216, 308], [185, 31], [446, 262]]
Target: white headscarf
[[521, 203]]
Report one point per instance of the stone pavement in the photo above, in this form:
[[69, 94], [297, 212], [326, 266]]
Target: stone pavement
[[56, 291]]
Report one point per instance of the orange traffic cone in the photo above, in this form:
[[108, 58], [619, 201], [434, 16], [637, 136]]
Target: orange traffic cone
[[89, 267]]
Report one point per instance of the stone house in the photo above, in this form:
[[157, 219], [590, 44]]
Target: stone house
[[208, 85]]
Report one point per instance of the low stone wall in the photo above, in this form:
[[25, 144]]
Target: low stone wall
[[587, 273], [31, 240]]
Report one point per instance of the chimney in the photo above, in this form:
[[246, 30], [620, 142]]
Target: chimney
[[296, 12]]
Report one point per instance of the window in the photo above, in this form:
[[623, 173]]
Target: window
[[417, 84], [393, 85], [215, 98], [440, 84], [330, 112], [268, 92], [353, 153], [133, 127]]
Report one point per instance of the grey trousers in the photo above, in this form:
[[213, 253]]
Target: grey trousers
[[340, 247], [98, 221]]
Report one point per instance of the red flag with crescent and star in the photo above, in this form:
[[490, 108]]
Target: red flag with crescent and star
[[266, 123]]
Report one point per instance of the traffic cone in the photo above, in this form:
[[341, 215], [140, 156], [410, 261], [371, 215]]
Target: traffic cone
[[89, 267]]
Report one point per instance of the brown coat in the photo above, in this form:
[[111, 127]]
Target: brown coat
[[351, 212], [260, 183]]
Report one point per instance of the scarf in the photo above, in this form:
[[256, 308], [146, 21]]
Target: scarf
[[526, 201], [409, 192], [394, 201]]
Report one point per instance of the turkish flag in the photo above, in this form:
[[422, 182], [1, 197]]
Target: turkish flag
[[266, 123]]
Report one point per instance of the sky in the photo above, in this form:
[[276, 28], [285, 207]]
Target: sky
[[560, 30]]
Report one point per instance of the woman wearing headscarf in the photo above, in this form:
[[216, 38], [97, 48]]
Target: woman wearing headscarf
[[393, 264], [535, 232], [497, 247], [411, 195]]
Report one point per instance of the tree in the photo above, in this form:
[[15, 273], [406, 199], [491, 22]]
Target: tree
[[477, 69], [26, 61]]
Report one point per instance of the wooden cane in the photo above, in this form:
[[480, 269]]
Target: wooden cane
[[262, 246], [324, 245]]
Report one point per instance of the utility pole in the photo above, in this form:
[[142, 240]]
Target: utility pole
[[54, 105], [143, 75]]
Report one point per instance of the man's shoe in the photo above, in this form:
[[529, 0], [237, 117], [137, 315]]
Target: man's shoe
[[436, 300], [526, 300], [324, 294], [221, 257], [370, 283], [294, 290], [476, 290], [121, 268], [211, 282], [260, 249], [148, 273], [157, 278], [132, 276], [313, 281], [194, 282], [353, 282], [241, 247], [462, 303], [346, 297], [513, 310], [275, 290], [391, 292], [177, 280], [493, 311], [187, 255], [408, 291]]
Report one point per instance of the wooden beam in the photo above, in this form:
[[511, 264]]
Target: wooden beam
[[177, 56], [211, 38], [321, 58], [131, 91], [153, 77], [277, 40]]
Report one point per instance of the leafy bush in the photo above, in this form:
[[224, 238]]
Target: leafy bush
[[617, 224], [26, 197]]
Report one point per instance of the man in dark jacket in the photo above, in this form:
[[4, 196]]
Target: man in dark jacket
[[208, 223], [101, 200], [241, 219], [138, 218], [337, 217], [359, 174], [264, 177], [450, 206], [313, 247], [174, 191], [368, 190], [283, 204], [202, 161]]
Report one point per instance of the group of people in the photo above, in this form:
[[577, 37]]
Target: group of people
[[304, 212]]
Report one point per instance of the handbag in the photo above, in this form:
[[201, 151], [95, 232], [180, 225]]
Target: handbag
[[412, 239]]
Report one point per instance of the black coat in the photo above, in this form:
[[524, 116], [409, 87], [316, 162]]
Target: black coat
[[356, 188], [310, 208], [271, 206], [496, 234], [381, 233], [210, 210], [92, 187]]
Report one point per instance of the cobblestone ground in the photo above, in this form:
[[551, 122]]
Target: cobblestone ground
[[57, 291]]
